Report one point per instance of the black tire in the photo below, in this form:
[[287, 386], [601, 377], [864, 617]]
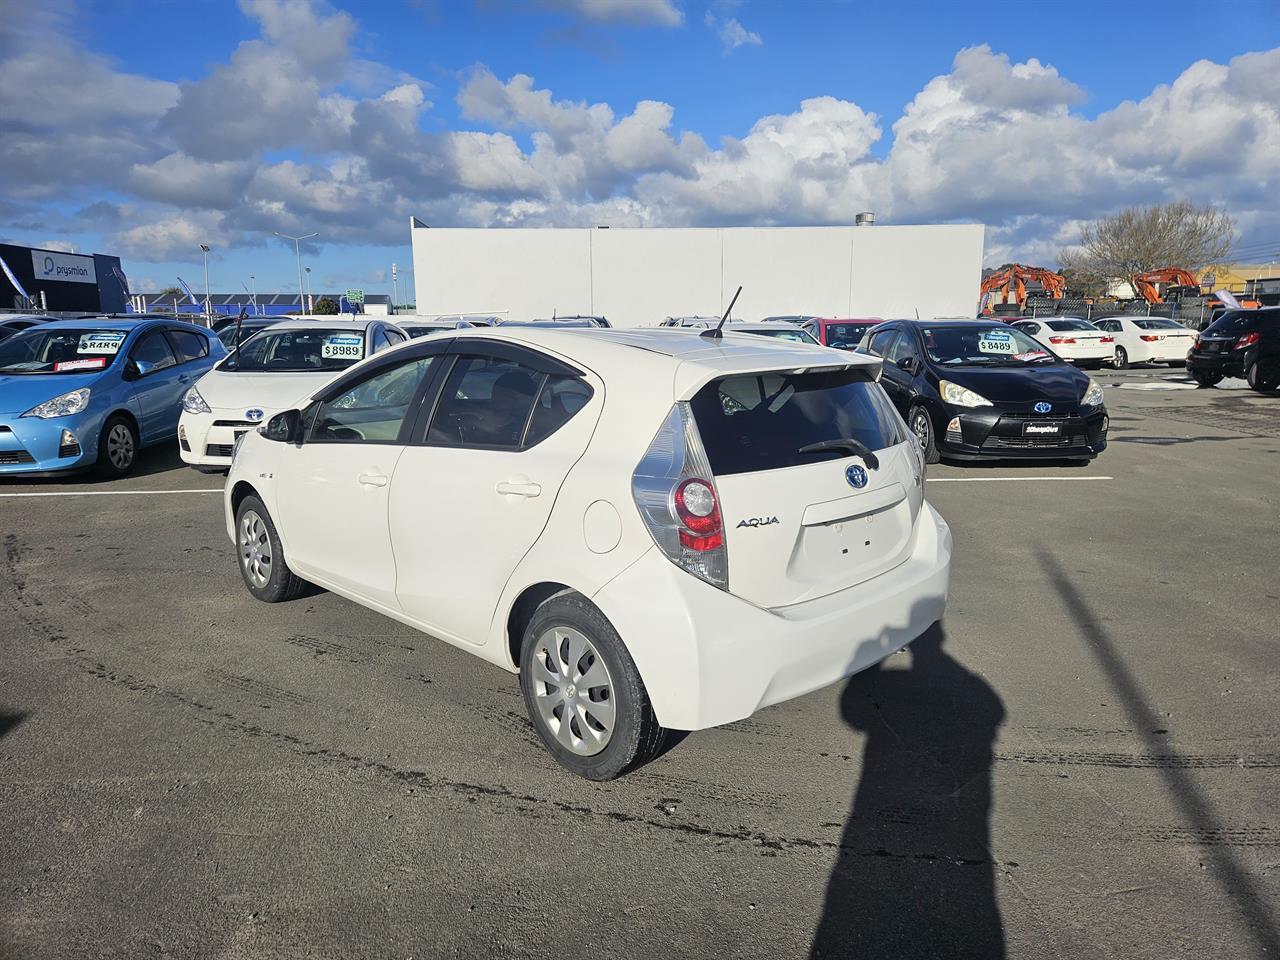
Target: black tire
[[1122, 359], [1177, 364], [1263, 379], [117, 447], [1206, 380], [921, 425], [636, 737], [278, 583]]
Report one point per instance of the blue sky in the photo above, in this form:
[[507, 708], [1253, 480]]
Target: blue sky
[[172, 122]]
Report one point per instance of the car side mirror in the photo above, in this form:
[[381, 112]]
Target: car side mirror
[[137, 369], [284, 427], [908, 364]]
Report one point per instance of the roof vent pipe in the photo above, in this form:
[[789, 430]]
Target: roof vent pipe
[[867, 219]]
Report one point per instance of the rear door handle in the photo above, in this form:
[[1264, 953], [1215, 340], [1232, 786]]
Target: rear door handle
[[372, 479], [518, 488]]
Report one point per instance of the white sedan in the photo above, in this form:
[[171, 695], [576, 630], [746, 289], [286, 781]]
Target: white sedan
[[655, 531], [1073, 339], [275, 367], [1148, 340]]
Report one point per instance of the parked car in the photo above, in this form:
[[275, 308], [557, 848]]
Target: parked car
[[655, 535], [76, 394], [797, 318], [1147, 340], [777, 329], [15, 323], [270, 371], [842, 333], [416, 327], [595, 321], [979, 389], [563, 322], [227, 333], [690, 321], [1073, 339], [1240, 343]]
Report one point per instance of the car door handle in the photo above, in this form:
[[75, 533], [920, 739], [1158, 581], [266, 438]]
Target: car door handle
[[518, 488], [372, 479]]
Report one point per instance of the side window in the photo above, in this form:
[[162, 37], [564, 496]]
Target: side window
[[373, 410], [485, 402], [561, 397], [881, 341], [904, 348], [154, 349], [394, 337], [380, 341], [190, 346]]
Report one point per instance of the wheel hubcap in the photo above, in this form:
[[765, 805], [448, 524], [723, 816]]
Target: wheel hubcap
[[255, 549], [573, 692], [120, 446], [921, 426]]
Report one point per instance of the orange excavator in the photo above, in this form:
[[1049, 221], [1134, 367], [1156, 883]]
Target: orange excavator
[[1144, 284], [1016, 275]]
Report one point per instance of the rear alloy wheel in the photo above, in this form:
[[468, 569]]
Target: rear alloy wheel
[[1122, 359], [117, 447], [1206, 380], [583, 692], [261, 555], [922, 426], [1263, 379]]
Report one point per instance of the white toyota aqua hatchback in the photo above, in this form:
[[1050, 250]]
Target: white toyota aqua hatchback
[[657, 532]]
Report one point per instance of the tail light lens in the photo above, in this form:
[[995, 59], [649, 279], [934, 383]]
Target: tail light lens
[[1248, 340], [1062, 339], [675, 492], [1148, 338]]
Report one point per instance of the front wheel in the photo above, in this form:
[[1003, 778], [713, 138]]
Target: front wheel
[[922, 426], [117, 447], [261, 555], [1206, 380], [1122, 358], [583, 692], [1263, 379]]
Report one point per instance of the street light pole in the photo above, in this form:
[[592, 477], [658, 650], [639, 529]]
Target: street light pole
[[253, 292], [297, 253], [204, 251], [310, 306]]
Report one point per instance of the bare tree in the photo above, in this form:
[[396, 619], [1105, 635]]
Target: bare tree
[[1138, 239]]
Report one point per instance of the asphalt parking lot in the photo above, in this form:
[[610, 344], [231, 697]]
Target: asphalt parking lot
[[1082, 761]]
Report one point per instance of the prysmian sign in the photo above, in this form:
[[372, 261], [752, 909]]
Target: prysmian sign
[[64, 267]]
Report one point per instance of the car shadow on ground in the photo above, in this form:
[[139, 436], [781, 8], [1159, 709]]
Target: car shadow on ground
[[8, 721], [915, 873]]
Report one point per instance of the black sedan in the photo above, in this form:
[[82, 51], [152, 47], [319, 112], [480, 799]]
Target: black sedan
[[978, 389]]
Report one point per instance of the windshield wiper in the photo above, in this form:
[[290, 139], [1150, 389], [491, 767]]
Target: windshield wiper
[[853, 446]]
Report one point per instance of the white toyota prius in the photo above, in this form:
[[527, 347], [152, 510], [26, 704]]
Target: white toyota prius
[[656, 532], [268, 372]]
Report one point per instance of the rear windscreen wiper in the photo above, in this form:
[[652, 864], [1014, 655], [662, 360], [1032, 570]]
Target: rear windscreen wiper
[[853, 446]]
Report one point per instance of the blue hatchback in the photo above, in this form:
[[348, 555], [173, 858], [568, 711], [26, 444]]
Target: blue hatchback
[[93, 392]]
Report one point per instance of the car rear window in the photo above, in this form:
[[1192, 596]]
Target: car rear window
[[1233, 323], [1157, 323], [760, 421], [1061, 325]]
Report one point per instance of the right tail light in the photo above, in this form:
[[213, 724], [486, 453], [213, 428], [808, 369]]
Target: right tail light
[[1248, 340], [675, 492]]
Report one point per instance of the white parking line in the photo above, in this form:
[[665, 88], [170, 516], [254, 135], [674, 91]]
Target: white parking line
[[105, 493], [1023, 479]]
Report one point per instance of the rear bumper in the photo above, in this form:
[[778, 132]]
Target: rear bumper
[[1103, 354], [988, 433], [1232, 363], [709, 658]]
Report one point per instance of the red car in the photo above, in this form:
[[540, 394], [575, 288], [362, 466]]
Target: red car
[[843, 333]]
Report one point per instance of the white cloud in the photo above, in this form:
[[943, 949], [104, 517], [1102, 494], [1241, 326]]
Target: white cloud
[[734, 35], [990, 139], [659, 13]]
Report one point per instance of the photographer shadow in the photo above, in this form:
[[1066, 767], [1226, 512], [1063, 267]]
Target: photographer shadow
[[915, 874]]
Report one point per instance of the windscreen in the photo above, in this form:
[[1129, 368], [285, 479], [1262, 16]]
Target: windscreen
[[846, 336], [794, 336], [761, 421], [298, 350], [78, 350], [980, 345], [1071, 324]]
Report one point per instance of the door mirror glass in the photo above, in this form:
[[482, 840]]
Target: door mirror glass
[[143, 367], [284, 427], [908, 364]]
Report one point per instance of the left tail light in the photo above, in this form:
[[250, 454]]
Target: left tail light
[[1148, 338], [675, 492]]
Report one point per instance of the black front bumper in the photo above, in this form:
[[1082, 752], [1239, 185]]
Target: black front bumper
[[1007, 433]]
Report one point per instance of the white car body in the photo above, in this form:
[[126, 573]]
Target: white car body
[[823, 579], [1148, 339], [1071, 338], [238, 401]]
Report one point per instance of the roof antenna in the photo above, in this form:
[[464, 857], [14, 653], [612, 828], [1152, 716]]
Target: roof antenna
[[715, 334], [917, 313]]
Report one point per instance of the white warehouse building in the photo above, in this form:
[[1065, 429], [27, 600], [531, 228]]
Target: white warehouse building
[[638, 276]]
